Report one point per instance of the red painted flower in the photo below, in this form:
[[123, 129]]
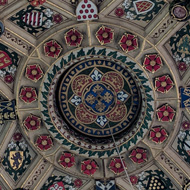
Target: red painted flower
[[36, 3], [119, 12], [73, 38], [89, 167], [32, 122], [52, 49], [182, 66], [105, 35], [78, 183], [163, 84], [57, 18], [34, 72], [152, 62], [158, 134], [134, 179], [8, 79], [67, 160], [186, 125], [28, 94], [165, 113], [17, 136], [44, 142], [116, 165], [128, 42], [138, 155]]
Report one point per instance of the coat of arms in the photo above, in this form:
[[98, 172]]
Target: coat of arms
[[16, 159], [143, 6]]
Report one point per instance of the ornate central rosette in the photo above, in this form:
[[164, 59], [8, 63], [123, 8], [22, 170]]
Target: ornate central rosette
[[91, 93], [96, 95]]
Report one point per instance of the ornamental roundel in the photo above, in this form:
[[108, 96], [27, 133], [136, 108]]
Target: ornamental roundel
[[101, 94], [89, 98]]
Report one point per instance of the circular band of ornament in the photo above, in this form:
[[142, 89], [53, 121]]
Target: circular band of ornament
[[96, 95], [55, 78]]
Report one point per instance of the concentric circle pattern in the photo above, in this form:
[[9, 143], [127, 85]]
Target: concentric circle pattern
[[96, 95], [79, 90], [90, 90]]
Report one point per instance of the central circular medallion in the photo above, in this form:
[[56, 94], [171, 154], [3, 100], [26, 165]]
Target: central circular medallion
[[98, 98]]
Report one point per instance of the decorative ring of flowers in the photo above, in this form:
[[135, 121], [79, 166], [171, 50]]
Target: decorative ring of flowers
[[28, 94], [95, 150], [116, 165], [105, 35], [67, 160], [163, 84], [158, 135], [34, 72], [52, 49], [165, 113], [89, 167], [44, 142], [152, 63], [32, 122], [128, 42], [73, 38], [138, 155]]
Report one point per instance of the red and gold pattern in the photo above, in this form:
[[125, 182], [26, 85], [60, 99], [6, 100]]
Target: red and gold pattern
[[165, 113], [163, 84], [44, 142], [34, 72], [116, 165], [52, 49], [114, 79], [89, 167], [28, 94], [158, 134], [138, 155], [32, 122], [84, 115], [80, 83], [152, 63], [67, 160], [128, 42], [105, 35], [143, 6], [118, 113], [5, 60], [73, 38]]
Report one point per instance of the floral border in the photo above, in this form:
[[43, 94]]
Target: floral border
[[101, 52]]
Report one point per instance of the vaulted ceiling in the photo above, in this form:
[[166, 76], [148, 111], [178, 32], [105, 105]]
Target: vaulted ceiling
[[93, 95]]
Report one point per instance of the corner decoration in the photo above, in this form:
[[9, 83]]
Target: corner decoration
[[179, 10], [95, 88]]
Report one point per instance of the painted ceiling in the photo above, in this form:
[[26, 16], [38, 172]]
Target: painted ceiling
[[94, 95]]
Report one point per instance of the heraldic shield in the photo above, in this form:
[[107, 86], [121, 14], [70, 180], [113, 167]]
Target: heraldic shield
[[142, 7], [16, 159]]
